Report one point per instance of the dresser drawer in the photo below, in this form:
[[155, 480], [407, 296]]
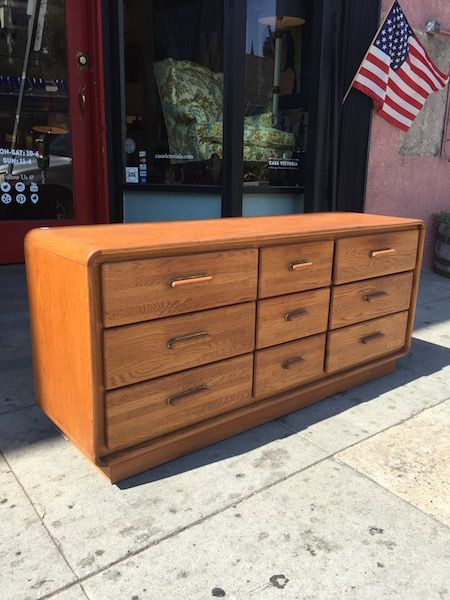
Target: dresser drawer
[[147, 410], [141, 290], [291, 317], [134, 353], [374, 255], [295, 267], [360, 343], [364, 300], [289, 365]]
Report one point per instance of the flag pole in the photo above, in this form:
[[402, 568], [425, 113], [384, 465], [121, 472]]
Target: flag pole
[[368, 50]]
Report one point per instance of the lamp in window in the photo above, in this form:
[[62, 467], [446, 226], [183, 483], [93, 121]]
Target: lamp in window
[[279, 15]]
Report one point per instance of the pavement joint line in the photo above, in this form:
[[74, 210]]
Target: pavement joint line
[[341, 462], [329, 456], [55, 542], [17, 409], [191, 525], [361, 441]]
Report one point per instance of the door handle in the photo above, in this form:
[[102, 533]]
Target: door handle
[[82, 102]]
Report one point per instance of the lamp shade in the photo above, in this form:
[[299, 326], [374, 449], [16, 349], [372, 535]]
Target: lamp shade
[[283, 13]]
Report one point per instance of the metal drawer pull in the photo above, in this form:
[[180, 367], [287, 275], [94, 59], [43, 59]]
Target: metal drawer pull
[[298, 312], [383, 252], [369, 297], [186, 338], [172, 400], [190, 279], [292, 361], [299, 264], [371, 338]]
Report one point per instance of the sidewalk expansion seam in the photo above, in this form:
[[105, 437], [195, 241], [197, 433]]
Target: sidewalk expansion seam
[[378, 484], [55, 542]]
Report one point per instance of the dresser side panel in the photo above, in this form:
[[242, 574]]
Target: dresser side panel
[[62, 343]]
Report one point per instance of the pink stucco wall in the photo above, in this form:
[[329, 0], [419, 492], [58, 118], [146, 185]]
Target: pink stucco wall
[[408, 185]]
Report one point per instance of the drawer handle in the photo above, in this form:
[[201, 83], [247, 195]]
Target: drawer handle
[[299, 264], [292, 361], [293, 314], [371, 337], [186, 338], [382, 252], [173, 283], [172, 400], [369, 297]]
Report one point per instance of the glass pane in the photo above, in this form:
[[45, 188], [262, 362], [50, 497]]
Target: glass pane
[[276, 115], [35, 145], [173, 63]]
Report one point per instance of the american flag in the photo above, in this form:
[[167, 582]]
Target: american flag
[[397, 72]]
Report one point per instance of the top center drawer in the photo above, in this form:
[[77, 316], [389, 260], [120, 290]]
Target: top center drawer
[[141, 290], [295, 267]]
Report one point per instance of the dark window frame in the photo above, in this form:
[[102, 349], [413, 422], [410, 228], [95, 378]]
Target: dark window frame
[[347, 35]]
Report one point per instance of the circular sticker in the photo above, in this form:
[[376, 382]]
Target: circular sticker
[[34, 187], [129, 146], [5, 186], [21, 198], [6, 198], [34, 198], [20, 186]]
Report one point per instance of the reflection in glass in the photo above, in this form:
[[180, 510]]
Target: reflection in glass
[[173, 61], [35, 144], [276, 114]]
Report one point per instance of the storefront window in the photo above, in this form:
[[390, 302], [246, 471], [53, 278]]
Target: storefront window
[[276, 114], [35, 142], [173, 74]]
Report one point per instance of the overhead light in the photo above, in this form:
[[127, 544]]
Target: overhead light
[[283, 13]]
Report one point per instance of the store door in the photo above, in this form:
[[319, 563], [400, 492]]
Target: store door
[[50, 141]]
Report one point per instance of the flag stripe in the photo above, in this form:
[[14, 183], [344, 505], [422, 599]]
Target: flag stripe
[[399, 109], [417, 59], [412, 84], [405, 104], [418, 46], [370, 75], [397, 72], [417, 69], [383, 66], [393, 121], [376, 93], [394, 114], [410, 94]]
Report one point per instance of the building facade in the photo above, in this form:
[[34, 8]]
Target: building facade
[[131, 110]]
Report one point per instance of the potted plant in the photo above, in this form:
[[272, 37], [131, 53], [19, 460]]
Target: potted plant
[[441, 258]]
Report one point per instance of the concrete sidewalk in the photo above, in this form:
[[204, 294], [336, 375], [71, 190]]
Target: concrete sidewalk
[[346, 499]]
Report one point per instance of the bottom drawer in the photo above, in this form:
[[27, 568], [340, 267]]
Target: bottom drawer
[[147, 410], [288, 365], [360, 343]]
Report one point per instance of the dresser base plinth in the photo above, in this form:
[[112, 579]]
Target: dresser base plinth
[[126, 463]]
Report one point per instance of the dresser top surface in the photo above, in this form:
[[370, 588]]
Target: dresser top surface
[[84, 243]]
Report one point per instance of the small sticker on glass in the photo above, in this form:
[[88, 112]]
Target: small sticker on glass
[[131, 175]]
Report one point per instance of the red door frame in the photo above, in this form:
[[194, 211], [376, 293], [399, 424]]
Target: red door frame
[[88, 129]]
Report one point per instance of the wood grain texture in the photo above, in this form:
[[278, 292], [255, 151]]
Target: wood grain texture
[[277, 278], [137, 352], [62, 343], [290, 317], [354, 262], [75, 357], [140, 412], [346, 347], [85, 244], [288, 365], [127, 463], [355, 302], [138, 290]]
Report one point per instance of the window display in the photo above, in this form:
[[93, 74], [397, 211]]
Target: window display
[[35, 142], [173, 91], [276, 114]]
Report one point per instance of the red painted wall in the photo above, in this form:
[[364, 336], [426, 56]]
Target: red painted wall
[[406, 185]]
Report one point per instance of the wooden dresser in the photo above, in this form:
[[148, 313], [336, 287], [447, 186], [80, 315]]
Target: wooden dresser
[[153, 340]]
